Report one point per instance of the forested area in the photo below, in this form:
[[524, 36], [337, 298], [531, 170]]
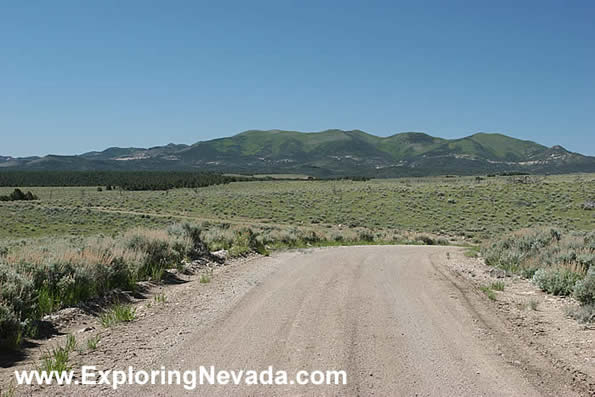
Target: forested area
[[126, 180]]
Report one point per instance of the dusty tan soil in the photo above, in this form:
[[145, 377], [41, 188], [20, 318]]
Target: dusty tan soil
[[401, 320]]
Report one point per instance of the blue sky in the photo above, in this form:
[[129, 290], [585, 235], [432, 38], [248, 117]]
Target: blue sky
[[77, 76]]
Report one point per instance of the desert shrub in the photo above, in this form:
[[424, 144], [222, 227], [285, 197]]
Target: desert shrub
[[161, 248], [442, 241], [528, 272], [365, 235], [338, 237], [586, 260], [287, 237], [533, 304], [589, 240], [217, 239], [18, 195], [584, 290], [64, 285], [396, 237], [246, 241], [583, 313], [17, 291], [311, 237], [39, 279], [10, 329], [502, 255], [65, 277], [526, 250], [425, 239], [556, 281], [182, 231], [198, 248]]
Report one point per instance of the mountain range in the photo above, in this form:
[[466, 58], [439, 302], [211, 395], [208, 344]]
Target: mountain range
[[328, 153]]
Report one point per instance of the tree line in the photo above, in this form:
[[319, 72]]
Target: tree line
[[126, 180]]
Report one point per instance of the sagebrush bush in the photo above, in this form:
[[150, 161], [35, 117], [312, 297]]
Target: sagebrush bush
[[198, 246], [246, 241], [338, 237], [556, 281], [311, 237], [423, 238], [39, 279], [527, 250], [366, 235], [162, 249], [219, 239], [584, 290], [442, 241], [17, 290], [18, 195], [288, 237], [10, 329], [583, 313]]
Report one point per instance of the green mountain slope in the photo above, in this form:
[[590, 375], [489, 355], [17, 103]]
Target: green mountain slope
[[330, 153], [409, 144]]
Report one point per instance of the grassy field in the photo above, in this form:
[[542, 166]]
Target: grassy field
[[451, 206]]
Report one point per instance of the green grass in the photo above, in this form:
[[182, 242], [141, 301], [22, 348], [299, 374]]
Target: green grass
[[489, 289], [70, 342], [57, 359], [205, 278], [160, 298], [118, 313], [472, 252], [93, 342], [489, 292]]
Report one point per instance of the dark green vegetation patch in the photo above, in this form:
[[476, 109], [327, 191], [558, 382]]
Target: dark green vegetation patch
[[140, 180]]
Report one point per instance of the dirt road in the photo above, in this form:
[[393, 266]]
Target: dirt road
[[390, 316]]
